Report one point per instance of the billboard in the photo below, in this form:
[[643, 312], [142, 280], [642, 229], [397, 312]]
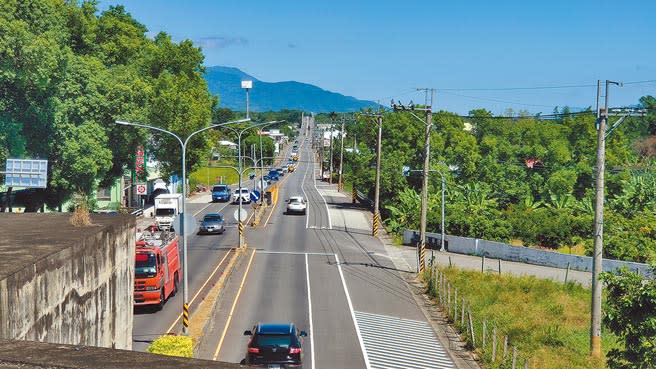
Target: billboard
[[26, 173]]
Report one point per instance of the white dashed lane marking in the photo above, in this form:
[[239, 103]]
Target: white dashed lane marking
[[393, 343]]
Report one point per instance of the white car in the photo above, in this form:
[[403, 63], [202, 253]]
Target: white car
[[244, 193], [296, 204]]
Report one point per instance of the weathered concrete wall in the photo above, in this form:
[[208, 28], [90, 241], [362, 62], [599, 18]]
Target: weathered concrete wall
[[499, 250], [36, 355], [63, 284]]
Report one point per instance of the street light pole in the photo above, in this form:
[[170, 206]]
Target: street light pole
[[185, 285], [240, 224]]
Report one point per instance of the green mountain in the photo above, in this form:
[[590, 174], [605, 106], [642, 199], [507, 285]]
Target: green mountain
[[274, 96]]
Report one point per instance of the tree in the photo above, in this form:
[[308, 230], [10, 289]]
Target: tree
[[630, 313]]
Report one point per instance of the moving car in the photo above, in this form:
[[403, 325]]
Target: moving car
[[275, 345], [296, 204], [273, 174], [243, 193], [220, 193], [211, 223]]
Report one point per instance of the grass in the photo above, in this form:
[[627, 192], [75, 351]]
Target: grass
[[230, 176], [548, 322], [578, 249]]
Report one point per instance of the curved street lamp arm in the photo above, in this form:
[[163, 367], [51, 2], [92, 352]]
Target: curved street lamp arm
[[214, 126], [151, 127]]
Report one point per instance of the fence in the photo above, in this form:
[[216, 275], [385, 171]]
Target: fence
[[502, 251], [482, 336]]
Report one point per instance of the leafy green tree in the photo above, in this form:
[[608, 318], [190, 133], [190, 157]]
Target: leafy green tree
[[630, 313]]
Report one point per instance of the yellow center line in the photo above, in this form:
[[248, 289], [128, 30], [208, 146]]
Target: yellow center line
[[234, 305], [199, 290], [274, 205]]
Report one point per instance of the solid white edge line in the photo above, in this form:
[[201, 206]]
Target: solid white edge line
[[307, 276], [330, 222], [355, 322]]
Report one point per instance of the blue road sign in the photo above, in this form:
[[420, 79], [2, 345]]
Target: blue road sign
[[255, 195]]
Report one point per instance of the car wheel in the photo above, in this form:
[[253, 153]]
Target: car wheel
[[162, 299], [176, 285]]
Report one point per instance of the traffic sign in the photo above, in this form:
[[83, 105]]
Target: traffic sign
[[240, 216], [255, 195], [142, 189]]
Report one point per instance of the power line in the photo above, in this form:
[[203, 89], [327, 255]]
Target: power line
[[495, 100], [538, 87]]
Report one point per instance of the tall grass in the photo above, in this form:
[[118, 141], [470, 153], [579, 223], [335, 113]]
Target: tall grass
[[208, 176], [548, 322]]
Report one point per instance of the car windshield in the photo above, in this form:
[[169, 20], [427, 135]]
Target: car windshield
[[219, 188], [212, 218], [145, 265], [164, 212], [275, 340], [294, 200]]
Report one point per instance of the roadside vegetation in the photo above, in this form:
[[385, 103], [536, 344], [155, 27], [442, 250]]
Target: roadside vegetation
[[548, 322], [172, 346], [520, 178]]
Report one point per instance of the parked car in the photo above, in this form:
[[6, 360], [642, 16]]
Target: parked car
[[220, 193], [275, 345], [244, 193], [211, 223], [296, 204], [280, 172]]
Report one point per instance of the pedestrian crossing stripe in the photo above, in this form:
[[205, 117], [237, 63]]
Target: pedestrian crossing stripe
[[397, 343]]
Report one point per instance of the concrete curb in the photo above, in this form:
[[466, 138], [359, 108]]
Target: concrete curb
[[206, 310]]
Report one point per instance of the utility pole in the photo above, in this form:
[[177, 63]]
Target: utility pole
[[332, 121], [379, 123], [340, 184], [602, 134], [428, 122]]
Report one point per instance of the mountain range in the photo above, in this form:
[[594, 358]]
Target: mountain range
[[274, 96]]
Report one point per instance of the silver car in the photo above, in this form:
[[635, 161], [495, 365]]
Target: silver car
[[296, 205]]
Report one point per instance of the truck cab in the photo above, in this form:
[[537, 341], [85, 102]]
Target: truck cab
[[167, 207]]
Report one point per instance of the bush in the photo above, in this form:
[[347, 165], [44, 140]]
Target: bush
[[172, 346]]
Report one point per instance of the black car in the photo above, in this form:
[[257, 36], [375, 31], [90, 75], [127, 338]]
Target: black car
[[211, 223], [275, 346]]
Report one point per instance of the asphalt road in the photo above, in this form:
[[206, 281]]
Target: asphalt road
[[206, 252], [325, 273]]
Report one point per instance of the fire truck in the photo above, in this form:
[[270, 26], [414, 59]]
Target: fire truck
[[157, 267]]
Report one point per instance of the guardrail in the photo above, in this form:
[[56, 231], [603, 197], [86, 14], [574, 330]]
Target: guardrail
[[363, 199], [139, 212], [522, 254]]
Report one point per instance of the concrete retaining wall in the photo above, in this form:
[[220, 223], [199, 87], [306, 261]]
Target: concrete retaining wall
[[499, 250], [62, 284]]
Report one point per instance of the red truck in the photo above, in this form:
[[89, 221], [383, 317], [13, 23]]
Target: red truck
[[157, 268]]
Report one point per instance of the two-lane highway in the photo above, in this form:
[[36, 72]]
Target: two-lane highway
[[325, 273]]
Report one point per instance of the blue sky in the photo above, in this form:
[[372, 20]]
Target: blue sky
[[382, 49]]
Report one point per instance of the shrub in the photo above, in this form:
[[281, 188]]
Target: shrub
[[172, 346]]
